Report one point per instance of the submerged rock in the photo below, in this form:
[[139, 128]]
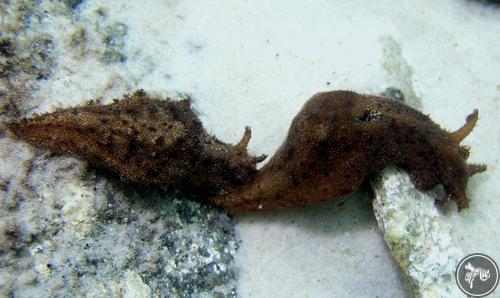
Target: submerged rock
[[66, 231], [418, 237]]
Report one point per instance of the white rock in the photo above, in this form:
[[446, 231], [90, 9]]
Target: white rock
[[416, 234], [133, 286]]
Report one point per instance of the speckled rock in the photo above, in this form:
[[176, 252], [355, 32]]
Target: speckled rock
[[67, 231], [417, 235]]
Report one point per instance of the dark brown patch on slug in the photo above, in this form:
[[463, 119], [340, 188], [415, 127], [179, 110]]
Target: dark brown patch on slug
[[145, 140], [339, 137]]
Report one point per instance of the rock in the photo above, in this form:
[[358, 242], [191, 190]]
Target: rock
[[417, 235]]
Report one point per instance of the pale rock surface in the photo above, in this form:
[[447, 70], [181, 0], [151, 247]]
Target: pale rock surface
[[417, 235]]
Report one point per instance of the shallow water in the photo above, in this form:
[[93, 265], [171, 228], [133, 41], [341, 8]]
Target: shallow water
[[243, 63]]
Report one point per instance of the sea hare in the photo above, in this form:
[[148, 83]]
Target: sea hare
[[340, 137], [336, 140], [145, 140]]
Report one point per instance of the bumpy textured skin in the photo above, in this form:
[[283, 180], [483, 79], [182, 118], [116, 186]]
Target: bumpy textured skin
[[339, 137], [145, 140], [335, 141]]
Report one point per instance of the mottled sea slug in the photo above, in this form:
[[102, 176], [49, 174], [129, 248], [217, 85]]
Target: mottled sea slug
[[334, 143], [340, 137], [145, 140]]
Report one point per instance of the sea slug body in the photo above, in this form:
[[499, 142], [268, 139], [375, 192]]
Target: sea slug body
[[145, 140], [340, 137], [333, 144]]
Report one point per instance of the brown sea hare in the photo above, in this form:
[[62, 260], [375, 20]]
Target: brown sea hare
[[145, 140], [336, 140], [340, 137]]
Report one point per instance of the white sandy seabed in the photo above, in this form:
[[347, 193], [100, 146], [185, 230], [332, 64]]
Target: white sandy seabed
[[256, 62]]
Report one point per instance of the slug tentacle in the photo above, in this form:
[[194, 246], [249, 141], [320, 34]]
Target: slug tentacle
[[460, 134], [242, 145], [475, 168]]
